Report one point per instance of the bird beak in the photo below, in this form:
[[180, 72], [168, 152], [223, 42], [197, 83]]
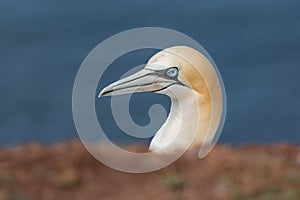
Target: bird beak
[[143, 81]]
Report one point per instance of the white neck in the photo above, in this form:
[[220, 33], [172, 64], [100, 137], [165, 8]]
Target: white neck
[[181, 126]]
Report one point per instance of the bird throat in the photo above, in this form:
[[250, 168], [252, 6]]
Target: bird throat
[[187, 123]]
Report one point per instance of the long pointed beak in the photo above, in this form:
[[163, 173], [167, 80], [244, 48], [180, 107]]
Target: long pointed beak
[[142, 81]]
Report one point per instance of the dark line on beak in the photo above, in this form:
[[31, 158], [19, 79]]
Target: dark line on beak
[[103, 94], [139, 77], [163, 88], [159, 73], [126, 88]]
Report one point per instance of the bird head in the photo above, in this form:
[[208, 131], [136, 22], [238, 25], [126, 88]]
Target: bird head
[[177, 72]]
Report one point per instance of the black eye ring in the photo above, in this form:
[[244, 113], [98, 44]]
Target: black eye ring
[[172, 72]]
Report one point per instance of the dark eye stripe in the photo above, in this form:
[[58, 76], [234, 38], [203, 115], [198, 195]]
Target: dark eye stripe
[[162, 74]]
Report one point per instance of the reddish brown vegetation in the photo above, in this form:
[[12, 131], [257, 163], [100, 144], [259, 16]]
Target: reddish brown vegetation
[[67, 171]]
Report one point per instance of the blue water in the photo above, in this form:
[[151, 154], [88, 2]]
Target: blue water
[[255, 44]]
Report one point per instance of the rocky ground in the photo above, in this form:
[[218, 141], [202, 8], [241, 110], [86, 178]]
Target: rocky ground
[[67, 171]]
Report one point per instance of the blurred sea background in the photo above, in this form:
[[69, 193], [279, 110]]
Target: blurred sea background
[[256, 46]]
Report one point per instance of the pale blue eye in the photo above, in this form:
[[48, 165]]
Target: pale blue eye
[[172, 72]]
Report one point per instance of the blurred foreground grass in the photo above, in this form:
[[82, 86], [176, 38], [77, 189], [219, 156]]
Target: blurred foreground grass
[[67, 171]]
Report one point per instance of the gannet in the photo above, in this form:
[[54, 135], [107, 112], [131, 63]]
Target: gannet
[[189, 79]]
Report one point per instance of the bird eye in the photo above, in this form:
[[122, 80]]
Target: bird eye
[[172, 72]]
